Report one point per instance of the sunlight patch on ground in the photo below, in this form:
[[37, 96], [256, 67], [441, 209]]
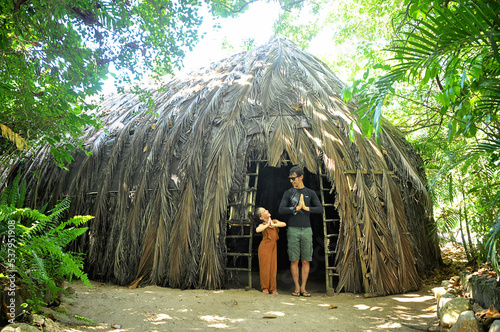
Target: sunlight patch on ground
[[366, 307], [288, 303], [219, 326], [376, 309], [362, 307], [218, 320], [160, 317], [407, 317], [416, 298], [390, 325], [276, 313], [433, 315], [400, 307]]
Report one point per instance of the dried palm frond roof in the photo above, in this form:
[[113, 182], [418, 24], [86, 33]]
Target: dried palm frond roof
[[158, 180]]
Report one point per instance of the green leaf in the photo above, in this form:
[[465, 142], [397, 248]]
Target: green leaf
[[352, 136], [452, 129], [346, 94], [476, 71], [464, 77]]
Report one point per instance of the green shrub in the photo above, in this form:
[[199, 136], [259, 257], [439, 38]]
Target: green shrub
[[33, 246]]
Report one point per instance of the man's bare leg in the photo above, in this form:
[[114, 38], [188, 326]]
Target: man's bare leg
[[294, 269], [305, 275]]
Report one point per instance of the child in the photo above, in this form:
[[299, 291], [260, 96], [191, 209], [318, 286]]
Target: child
[[268, 254]]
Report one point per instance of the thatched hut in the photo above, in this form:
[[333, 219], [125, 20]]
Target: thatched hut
[[170, 184]]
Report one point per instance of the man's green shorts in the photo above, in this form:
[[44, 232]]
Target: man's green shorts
[[300, 243]]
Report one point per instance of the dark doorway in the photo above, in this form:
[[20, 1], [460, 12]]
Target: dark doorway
[[271, 186], [273, 182]]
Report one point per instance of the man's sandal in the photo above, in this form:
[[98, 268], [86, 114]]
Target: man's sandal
[[296, 294], [274, 292], [305, 294]]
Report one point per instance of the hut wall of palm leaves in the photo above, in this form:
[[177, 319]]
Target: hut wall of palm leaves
[[158, 181]]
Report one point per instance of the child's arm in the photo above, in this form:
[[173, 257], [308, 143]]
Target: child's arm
[[262, 227], [277, 223]]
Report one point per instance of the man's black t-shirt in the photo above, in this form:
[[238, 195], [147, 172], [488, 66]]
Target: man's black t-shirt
[[289, 202]]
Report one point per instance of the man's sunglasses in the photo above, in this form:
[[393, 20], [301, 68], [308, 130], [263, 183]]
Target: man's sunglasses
[[292, 178]]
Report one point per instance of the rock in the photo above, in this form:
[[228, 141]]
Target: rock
[[441, 302], [438, 291], [455, 281], [452, 310], [437, 329], [70, 290], [48, 324], [482, 288], [61, 317], [466, 322], [445, 284], [36, 319], [51, 326], [19, 327], [495, 327], [64, 307]]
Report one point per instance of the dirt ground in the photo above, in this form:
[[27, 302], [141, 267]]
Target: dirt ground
[[152, 308]]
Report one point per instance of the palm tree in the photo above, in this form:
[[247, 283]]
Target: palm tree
[[445, 59]]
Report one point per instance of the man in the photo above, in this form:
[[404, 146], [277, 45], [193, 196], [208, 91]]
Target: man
[[299, 202]]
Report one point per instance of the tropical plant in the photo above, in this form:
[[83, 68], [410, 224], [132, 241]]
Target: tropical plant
[[449, 52], [356, 31], [444, 76], [55, 54], [33, 246]]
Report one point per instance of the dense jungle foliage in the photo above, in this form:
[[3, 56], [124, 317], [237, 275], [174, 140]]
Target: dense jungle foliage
[[430, 67]]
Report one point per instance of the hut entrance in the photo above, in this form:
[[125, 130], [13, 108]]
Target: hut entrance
[[265, 187]]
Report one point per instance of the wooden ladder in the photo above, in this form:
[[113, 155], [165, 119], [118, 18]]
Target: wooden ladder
[[245, 228], [330, 231]]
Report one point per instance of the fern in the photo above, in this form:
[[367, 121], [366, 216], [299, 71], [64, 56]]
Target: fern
[[42, 262], [56, 213]]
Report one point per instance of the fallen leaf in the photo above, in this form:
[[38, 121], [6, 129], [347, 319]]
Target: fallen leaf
[[270, 316], [333, 307], [135, 283]]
